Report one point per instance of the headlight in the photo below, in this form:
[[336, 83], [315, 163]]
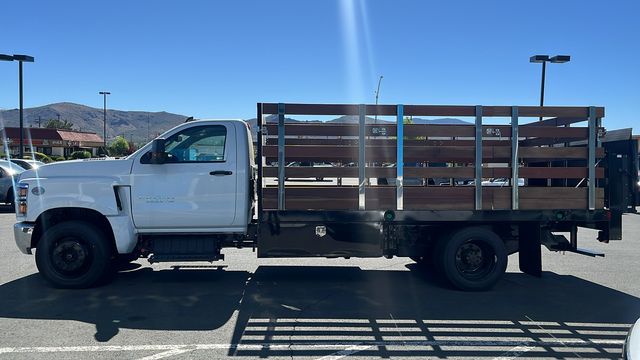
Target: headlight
[[23, 191]]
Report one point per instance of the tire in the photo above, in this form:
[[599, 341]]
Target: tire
[[471, 259], [73, 254]]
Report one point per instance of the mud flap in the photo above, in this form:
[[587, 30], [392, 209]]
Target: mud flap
[[530, 255]]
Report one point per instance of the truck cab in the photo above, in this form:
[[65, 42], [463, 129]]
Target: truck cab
[[201, 184]]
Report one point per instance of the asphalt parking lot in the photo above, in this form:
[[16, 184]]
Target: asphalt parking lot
[[323, 309]]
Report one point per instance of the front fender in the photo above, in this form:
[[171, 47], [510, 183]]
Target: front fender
[[96, 193]]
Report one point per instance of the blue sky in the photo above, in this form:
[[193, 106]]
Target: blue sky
[[218, 58]]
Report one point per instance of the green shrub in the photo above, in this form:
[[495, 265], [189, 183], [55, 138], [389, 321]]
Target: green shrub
[[119, 147], [80, 155], [40, 157], [57, 158]]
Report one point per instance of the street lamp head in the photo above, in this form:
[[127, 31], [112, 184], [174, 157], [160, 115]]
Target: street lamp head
[[539, 58], [23, 58], [560, 59], [4, 57]]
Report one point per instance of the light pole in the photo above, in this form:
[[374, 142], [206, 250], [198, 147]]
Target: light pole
[[558, 59], [104, 114], [21, 59], [375, 119]]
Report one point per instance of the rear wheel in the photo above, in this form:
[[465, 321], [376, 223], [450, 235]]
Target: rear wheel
[[73, 254], [472, 259]]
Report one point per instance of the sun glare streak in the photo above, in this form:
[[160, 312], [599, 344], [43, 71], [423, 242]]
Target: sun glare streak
[[366, 31], [353, 57]]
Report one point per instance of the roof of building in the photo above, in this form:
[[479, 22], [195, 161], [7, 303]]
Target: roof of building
[[52, 134], [79, 136]]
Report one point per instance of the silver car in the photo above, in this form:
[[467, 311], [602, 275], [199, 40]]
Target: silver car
[[9, 173]]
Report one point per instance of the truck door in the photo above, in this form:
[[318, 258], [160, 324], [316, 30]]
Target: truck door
[[195, 188]]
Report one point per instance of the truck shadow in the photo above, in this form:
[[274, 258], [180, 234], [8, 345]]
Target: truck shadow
[[283, 309]]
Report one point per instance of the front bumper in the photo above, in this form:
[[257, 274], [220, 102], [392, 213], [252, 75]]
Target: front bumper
[[22, 233]]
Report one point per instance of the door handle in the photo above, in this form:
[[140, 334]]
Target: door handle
[[221, 173]]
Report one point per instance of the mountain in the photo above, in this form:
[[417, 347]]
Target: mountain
[[136, 125], [142, 125]]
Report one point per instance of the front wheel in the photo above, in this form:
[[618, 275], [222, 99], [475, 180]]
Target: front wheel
[[472, 259], [73, 254]]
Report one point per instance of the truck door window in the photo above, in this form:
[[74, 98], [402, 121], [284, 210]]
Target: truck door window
[[196, 144]]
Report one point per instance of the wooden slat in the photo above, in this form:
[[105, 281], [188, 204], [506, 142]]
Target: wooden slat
[[388, 142], [557, 121], [329, 172], [439, 172], [434, 172], [330, 109], [524, 172], [431, 198], [311, 197], [425, 153], [503, 111], [548, 141], [416, 130], [431, 110]]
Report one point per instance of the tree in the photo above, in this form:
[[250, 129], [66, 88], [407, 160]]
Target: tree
[[58, 124], [119, 147]]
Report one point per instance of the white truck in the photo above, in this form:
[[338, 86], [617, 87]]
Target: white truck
[[197, 189]]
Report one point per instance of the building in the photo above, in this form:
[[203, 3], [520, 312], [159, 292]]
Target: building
[[56, 142]]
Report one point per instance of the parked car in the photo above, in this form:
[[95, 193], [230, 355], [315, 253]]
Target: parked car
[[9, 173], [501, 182], [10, 165], [28, 164], [405, 182]]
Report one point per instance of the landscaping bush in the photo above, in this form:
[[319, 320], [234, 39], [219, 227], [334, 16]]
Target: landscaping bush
[[80, 155], [57, 158], [40, 157]]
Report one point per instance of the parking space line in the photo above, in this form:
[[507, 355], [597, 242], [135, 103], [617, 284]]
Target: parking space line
[[515, 352], [346, 352], [166, 354], [338, 346]]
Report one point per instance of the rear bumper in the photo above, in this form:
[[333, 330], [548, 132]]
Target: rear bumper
[[22, 233]]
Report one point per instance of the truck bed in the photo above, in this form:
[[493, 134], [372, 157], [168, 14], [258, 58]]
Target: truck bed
[[559, 158]]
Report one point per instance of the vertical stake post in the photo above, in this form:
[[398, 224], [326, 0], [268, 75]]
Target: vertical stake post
[[260, 142], [362, 180], [478, 159], [281, 164], [592, 157], [400, 158], [514, 159]]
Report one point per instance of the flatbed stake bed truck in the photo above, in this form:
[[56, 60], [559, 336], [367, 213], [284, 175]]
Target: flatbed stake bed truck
[[390, 188]]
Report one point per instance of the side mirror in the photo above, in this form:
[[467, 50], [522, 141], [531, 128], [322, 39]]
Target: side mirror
[[158, 155]]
